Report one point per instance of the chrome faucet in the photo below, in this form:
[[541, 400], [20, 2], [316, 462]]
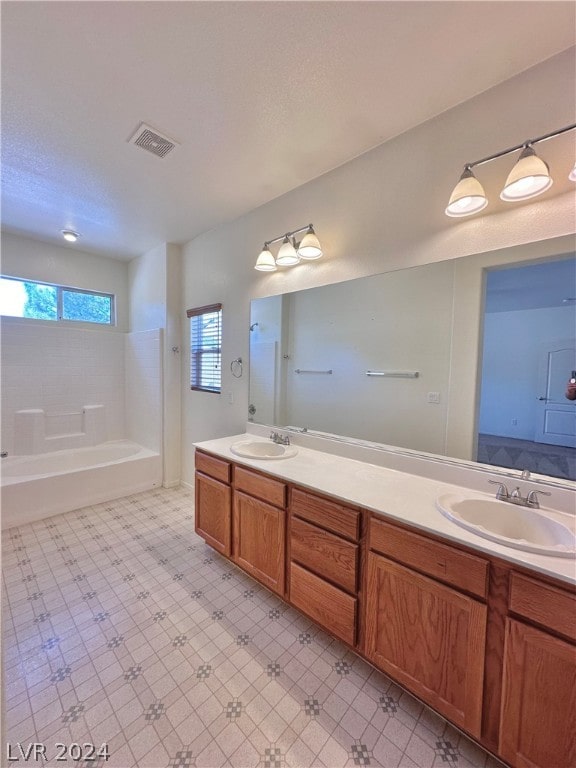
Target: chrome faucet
[[515, 496], [276, 437]]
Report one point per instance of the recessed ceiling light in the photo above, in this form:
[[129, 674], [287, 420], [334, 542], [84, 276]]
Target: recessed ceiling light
[[70, 235]]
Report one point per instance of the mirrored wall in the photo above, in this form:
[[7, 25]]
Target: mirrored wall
[[452, 358]]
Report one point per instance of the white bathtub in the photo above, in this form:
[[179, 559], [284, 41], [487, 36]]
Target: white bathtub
[[35, 487]]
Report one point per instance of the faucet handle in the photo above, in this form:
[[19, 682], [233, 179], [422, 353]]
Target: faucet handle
[[502, 492], [532, 498]]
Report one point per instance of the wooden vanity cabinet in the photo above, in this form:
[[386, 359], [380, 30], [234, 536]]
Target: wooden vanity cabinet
[[428, 635], [538, 711], [325, 562], [213, 496], [259, 527], [488, 645]]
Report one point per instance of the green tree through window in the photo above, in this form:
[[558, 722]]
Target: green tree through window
[[85, 306], [41, 301]]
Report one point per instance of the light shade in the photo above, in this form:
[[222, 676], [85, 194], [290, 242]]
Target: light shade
[[287, 256], [572, 174], [468, 196], [309, 247], [265, 262], [70, 235], [529, 177]]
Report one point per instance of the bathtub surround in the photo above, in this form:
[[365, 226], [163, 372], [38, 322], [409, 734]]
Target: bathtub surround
[[48, 375], [36, 432], [146, 392], [132, 631], [58, 370], [143, 387]]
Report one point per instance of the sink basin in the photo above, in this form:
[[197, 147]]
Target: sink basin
[[262, 449], [515, 526]]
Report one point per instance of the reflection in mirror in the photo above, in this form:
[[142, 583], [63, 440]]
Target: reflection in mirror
[[447, 358], [529, 353]]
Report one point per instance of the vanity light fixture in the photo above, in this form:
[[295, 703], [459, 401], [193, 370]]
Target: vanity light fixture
[[290, 252], [528, 178], [468, 196], [287, 255], [70, 235]]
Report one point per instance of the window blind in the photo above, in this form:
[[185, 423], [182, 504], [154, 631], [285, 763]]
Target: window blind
[[205, 348]]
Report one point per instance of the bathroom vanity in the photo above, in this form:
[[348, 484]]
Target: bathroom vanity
[[483, 633]]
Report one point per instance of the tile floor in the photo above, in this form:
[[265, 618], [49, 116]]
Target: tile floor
[[555, 460], [121, 627]]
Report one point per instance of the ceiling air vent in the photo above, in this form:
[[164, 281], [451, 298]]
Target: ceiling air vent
[[149, 139]]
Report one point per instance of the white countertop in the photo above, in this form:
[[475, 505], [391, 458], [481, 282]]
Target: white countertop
[[401, 496]]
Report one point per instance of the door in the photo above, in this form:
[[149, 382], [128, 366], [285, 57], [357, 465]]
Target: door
[[259, 539], [214, 513], [556, 417], [538, 716], [428, 637]]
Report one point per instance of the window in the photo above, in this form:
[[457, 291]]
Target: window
[[42, 301], [205, 348]]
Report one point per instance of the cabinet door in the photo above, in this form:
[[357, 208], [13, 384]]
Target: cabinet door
[[428, 637], [259, 538], [538, 716], [214, 513]]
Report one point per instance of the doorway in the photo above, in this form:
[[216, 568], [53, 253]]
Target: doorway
[[529, 351]]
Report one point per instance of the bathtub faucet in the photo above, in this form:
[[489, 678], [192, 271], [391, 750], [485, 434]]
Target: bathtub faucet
[[3, 454]]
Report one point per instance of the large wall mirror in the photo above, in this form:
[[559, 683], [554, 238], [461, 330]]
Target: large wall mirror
[[466, 358]]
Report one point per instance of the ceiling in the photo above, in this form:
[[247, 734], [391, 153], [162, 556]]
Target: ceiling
[[260, 97], [532, 286]]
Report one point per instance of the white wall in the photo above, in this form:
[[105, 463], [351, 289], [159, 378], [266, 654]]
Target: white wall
[[66, 265], [155, 292], [511, 347], [381, 211], [147, 281]]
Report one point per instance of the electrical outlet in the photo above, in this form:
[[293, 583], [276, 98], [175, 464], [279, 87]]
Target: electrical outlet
[[434, 397], [514, 422], [231, 398]]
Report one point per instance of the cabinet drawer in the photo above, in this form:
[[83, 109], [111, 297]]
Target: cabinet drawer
[[328, 514], [210, 465], [461, 569], [328, 605], [265, 488], [327, 555], [544, 604]]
